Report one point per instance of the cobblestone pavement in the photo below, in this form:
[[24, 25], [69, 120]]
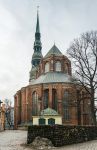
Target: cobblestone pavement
[[12, 140]]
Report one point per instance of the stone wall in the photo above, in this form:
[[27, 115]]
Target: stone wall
[[62, 135]]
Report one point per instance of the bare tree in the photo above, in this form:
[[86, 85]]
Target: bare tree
[[8, 106], [83, 52]]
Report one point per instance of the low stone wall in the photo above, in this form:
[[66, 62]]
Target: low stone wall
[[62, 135]]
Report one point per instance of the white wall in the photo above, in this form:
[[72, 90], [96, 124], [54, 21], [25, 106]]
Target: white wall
[[58, 119]]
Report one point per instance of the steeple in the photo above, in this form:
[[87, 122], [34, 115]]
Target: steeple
[[37, 25], [37, 55]]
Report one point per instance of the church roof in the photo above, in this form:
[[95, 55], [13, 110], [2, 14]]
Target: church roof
[[54, 51], [49, 112], [53, 77]]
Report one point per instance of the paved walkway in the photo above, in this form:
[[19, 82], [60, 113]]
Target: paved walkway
[[12, 140]]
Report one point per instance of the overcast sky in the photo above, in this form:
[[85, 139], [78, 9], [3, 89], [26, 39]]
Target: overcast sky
[[60, 21]]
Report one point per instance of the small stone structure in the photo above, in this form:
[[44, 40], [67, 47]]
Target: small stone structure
[[48, 116]]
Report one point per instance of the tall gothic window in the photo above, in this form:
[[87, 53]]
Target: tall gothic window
[[66, 68], [47, 67], [35, 104], [46, 98], [54, 99], [83, 99], [58, 66], [66, 106]]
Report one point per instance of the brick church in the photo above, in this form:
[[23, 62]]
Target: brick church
[[52, 91]]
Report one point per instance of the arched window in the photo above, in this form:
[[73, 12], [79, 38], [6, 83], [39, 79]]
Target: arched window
[[54, 99], [66, 68], [51, 121], [42, 121], [35, 104], [46, 97], [47, 67], [66, 106], [58, 66]]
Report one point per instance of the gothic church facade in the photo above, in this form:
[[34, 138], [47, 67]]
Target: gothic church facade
[[51, 85]]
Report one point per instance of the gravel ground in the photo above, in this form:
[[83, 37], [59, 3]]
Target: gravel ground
[[16, 139]]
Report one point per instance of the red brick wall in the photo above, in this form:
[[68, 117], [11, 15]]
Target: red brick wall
[[23, 102], [64, 62]]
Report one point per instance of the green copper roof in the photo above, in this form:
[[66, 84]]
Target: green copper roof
[[53, 77], [49, 112], [36, 55], [54, 51]]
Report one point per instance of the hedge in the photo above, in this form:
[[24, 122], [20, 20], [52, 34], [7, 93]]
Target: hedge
[[62, 135]]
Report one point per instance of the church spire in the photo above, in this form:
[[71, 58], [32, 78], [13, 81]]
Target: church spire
[[37, 25], [37, 44]]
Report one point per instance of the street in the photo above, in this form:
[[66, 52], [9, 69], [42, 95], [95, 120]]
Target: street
[[16, 139]]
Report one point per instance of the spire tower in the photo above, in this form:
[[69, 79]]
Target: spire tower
[[37, 25], [37, 55]]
